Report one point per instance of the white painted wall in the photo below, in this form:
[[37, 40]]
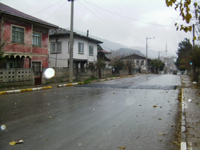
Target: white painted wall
[[62, 58]]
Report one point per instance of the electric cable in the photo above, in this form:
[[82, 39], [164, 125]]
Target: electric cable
[[46, 8], [128, 17]]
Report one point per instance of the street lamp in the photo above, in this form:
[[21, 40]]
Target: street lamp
[[147, 52]]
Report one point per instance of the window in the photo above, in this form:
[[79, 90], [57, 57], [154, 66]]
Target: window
[[36, 39], [80, 48], [56, 47], [142, 62], [137, 62], [17, 34], [36, 68], [91, 50]]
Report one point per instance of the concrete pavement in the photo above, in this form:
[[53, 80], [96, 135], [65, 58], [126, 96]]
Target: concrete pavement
[[190, 114]]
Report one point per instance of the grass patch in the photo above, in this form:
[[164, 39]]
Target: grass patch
[[89, 80]]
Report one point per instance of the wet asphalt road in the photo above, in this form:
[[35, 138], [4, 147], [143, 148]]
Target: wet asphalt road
[[100, 116]]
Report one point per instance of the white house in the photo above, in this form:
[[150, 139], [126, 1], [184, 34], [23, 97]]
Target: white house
[[139, 62], [84, 49]]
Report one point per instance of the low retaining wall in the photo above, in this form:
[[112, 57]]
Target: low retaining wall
[[16, 77]]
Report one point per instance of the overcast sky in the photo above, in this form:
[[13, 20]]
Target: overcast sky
[[127, 22]]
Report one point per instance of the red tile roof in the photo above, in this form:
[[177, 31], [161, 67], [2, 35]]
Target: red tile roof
[[4, 9]]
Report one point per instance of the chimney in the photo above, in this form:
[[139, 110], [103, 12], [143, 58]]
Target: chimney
[[87, 33]]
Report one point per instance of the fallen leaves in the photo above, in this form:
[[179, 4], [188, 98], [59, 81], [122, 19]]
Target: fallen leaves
[[155, 106], [138, 137], [122, 147], [161, 133], [12, 143], [16, 142]]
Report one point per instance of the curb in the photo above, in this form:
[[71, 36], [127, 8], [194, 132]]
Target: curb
[[25, 90], [69, 84], [183, 123], [60, 85]]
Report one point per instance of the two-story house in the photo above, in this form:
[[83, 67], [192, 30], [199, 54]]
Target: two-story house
[[139, 62], [84, 49], [26, 39]]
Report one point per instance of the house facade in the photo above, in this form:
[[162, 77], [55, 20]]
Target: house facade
[[139, 62], [104, 55], [84, 49], [26, 40]]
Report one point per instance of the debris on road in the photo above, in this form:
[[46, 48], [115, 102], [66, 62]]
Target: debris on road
[[16, 142], [155, 106], [123, 147], [161, 133], [189, 100], [138, 137]]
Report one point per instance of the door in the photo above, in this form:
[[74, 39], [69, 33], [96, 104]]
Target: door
[[37, 72]]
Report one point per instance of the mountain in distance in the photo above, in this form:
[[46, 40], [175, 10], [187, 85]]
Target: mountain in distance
[[120, 49]]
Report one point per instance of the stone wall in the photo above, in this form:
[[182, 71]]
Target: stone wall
[[16, 77], [61, 75]]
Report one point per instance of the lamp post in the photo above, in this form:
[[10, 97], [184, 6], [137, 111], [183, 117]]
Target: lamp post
[[147, 52], [71, 43]]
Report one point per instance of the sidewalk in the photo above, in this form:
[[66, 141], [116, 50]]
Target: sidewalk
[[191, 113], [9, 90]]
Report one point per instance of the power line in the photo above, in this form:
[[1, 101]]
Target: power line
[[46, 8], [56, 11], [106, 22], [127, 17]]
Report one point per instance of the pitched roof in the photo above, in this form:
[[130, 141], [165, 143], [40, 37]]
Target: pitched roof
[[61, 31], [4, 9], [104, 51], [136, 56]]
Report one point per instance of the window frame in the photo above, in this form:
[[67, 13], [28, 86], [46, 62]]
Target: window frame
[[56, 48], [36, 72], [40, 41], [80, 51], [91, 54], [15, 36]]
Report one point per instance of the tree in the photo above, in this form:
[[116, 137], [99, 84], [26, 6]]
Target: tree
[[157, 65], [118, 64], [2, 52], [183, 53], [195, 56], [188, 10]]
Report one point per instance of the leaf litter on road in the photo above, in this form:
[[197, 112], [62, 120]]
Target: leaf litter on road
[[122, 147]]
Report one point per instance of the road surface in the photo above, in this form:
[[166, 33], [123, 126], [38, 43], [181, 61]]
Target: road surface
[[138, 113]]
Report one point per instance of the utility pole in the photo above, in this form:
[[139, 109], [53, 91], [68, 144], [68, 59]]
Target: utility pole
[[193, 34], [71, 43], [147, 53], [192, 64]]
